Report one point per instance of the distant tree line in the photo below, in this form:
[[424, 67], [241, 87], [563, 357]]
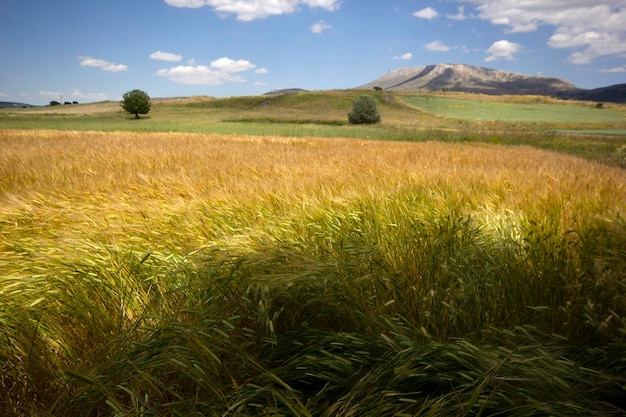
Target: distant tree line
[[57, 103]]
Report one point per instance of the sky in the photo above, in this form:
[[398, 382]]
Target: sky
[[96, 50]]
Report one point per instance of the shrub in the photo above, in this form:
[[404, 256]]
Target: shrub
[[136, 102], [364, 110]]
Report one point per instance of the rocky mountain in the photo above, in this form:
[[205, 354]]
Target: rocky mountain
[[471, 79]]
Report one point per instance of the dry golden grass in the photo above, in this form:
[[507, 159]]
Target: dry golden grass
[[118, 186], [70, 196], [171, 165]]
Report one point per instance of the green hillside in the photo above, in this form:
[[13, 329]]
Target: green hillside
[[573, 127]]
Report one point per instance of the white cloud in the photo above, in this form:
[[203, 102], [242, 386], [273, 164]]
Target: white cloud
[[261, 71], [199, 74], [593, 28], [87, 61], [503, 49], [319, 27], [595, 44], [331, 5], [437, 46], [220, 71], [617, 69], [460, 14], [247, 10], [228, 65], [427, 13], [404, 57], [193, 4], [166, 56]]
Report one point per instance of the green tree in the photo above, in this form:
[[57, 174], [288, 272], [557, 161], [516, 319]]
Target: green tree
[[364, 110], [136, 102]]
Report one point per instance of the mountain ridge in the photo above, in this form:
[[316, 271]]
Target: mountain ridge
[[5, 104], [473, 79]]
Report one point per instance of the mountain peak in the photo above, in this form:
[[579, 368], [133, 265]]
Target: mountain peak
[[468, 78]]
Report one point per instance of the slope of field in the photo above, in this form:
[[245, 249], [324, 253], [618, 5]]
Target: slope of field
[[520, 112], [595, 134], [202, 274]]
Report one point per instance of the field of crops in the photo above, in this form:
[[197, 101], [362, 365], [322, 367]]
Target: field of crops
[[211, 274]]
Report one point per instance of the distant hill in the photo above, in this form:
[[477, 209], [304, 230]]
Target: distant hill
[[4, 104], [284, 91], [613, 94], [471, 79]]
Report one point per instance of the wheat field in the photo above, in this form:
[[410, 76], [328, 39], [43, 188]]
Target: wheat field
[[201, 274]]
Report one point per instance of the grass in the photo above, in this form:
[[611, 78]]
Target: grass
[[162, 274], [324, 114], [530, 112], [550, 113]]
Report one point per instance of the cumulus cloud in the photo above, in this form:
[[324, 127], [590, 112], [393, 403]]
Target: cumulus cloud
[[404, 57], [198, 74], [166, 56], [460, 15], [594, 43], [87, 61], [255, 9], [229, 65], [427, 13], [595, 28], [503, 49], [261, 71], [220, 71], [437, 46], [319, 27]]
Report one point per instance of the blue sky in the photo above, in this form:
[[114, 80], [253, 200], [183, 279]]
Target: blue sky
[[94, 50]]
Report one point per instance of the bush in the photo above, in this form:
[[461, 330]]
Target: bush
[[364, 110], [136, 102]]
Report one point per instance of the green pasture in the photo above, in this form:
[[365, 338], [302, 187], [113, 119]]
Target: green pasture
[[532, 112]]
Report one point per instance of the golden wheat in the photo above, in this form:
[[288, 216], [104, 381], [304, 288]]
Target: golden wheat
[[122, 184]]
